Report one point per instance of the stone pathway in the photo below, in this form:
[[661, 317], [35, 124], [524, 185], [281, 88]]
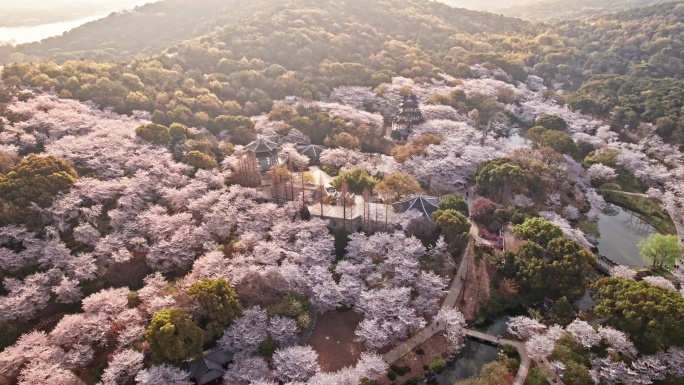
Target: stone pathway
[[450, 302], [432, 329], [525, 360]]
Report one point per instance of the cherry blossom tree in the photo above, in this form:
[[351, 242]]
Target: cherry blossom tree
[[32, 346], [78, 355], [524, 328], [584, 333], [618, 341], [283, 330], [601, 173], [154, 283], [674, 359], [26, 297], [38, 372], [539, 346], [123, 367], [522, 201], [110, 302], [558, 367], [571, 212], [568, 231], [81, 328], [162, 375], [430, 288], [247, 332], [296, 363], [621, 271], [454, 323], [130, 335], [289, 152], [67, 291], [342, 158], [660, 281], [245, 370], [387, 317]]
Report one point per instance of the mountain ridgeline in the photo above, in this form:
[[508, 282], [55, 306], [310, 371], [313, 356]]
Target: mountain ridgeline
[[247, 54], [552, 10], [151, 28]]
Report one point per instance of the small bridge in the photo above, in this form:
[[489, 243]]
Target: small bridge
[[524, 357]]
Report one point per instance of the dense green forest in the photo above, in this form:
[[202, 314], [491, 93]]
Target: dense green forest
[[624, 60]]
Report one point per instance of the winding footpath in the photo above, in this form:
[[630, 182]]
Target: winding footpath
[[520, 346], [450, 302], [432, 329]]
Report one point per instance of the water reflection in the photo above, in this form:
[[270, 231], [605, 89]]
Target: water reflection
[[474, 355], [621, 230]]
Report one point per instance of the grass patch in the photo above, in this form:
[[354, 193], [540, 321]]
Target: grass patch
[[651, 211], [628, 182], [536, 377]]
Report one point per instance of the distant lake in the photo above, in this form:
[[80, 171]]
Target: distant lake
[[22, 35]]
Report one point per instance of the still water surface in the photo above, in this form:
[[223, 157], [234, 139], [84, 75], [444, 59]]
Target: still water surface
[[475, 354], [621, 230], [39, 32]]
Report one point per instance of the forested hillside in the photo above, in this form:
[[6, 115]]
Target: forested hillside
[[151, 28], [143, 31], [554, 10], [294, 49], [635, 59], [292, 190]]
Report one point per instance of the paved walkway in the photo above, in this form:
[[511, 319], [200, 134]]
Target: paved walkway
[[450, 302], [320, 176], [525, 360], [432, 329]]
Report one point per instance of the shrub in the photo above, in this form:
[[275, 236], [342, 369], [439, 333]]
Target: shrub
[[400, 370], [267, 347], [392, 376], [436, 365], [411, 381]]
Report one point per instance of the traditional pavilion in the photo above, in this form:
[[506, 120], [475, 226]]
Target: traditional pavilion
[[423, 204], [313, 151], [409, 115], [266, 153], [210, 368]]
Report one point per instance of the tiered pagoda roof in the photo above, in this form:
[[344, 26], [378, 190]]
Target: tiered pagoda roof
[[409, 111]]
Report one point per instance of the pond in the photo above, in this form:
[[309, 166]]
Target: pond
[[621, 230], [474, 355]]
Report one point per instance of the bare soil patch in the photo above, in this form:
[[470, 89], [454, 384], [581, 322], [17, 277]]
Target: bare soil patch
[[420, 356], [512, 242], [476, 289], [333, 339]]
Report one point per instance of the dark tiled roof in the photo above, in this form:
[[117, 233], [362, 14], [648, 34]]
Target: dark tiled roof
[[426, 205], [312, 150], [209, 367], [261, 145]]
